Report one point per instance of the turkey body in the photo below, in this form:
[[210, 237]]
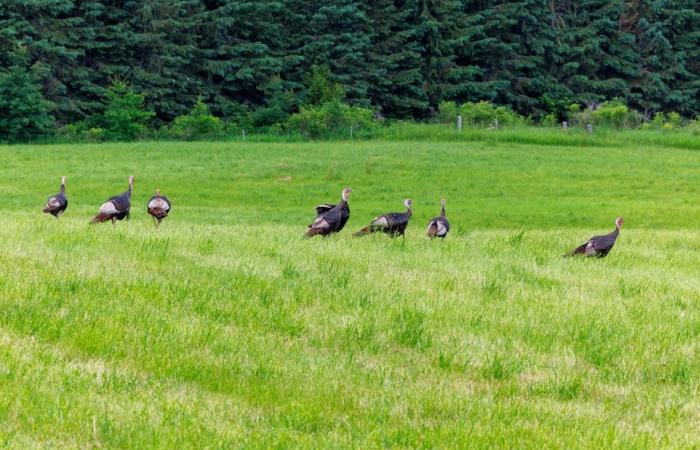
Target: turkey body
[[57, 204], [159, 207], [599, 246], [393, 224], [330, 218], [117, 207], [439, 226]]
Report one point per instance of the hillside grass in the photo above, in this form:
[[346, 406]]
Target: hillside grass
[[225, 328]]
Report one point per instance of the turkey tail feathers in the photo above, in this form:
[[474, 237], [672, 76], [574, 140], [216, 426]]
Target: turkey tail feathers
[[362, 232], [101, 217]]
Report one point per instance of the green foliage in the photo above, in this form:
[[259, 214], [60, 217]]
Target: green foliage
[[256, 62], [24, 113], [608, 114], [320, 89], [485, 113], [447, 112], [198, 124], [615, 114], [125, 116], [479, 114], [332, 119], [666, 122]]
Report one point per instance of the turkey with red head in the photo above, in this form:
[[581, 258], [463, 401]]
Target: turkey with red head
[[599, 246], [330, 218], [439, 226], [158, 207], [57, 204], [117, 207], [393, 224]]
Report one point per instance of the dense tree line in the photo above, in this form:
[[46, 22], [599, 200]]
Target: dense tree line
[[399, 57]]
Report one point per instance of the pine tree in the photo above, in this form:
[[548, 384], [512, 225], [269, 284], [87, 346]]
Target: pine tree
[[439, 26], [240, 52], [24, 112], [336, 34], [506, 54], [395, 78], [163, 44], [681, 27], [597, 56]]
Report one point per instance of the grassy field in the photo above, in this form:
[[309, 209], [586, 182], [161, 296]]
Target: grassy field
[[225, 328]]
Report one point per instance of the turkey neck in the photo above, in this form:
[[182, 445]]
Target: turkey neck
[[63, 188], [442, 210]]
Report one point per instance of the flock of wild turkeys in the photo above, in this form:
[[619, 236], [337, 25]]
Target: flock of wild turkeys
[[330, 218], [115, 208]]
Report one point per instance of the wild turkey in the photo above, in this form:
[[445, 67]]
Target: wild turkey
[[439, 226], [57, 204], [330, 218], [158, 207], [393, 224], [599, 246], [117, 207]]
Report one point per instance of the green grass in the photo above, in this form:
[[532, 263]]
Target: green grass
[[225, 328]]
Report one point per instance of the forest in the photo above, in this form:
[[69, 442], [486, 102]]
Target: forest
[[258, 62]]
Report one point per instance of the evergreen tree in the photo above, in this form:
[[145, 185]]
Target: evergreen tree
[[163, 49], [334, 33], [395, 78], [506, 53], [24, 112], [681, 27], [597, 55], [240, 46]]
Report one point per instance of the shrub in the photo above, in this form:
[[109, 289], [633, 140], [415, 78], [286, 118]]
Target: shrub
[[198, 124], [481, 114], [320, 89], [24, 113], [666, 122], [608, 114], [447, 112], [550, 120], [694, 126], [125, 115], [485, 113], [331, 119]]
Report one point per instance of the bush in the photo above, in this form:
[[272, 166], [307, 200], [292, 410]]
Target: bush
[[125, 115], [198, 124], [331, 119], [24, 113], [320, 89], [447, 112], [480, 114], [608, 114], [694, 126], [485, 113]]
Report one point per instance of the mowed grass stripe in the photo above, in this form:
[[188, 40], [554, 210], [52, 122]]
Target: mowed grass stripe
[[226, 328]]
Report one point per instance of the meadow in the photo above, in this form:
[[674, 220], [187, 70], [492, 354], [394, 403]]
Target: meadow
[[225, 328]]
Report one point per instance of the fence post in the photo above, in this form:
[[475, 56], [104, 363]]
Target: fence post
[[459, 123], [565, 125], [589, 129]]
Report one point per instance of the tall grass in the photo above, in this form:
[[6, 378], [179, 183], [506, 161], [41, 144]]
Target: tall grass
[[438, 132], [224, 328]]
